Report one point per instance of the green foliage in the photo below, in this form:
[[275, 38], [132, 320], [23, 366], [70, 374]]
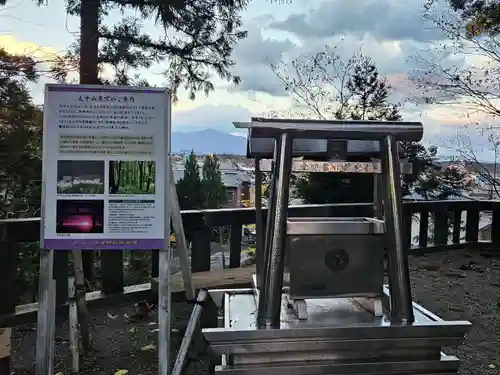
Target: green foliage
[[206, 32], [132, 177], [189, 188], [196, 192], [20, 138], [441, 78], [368, 94], [20, 163], [213, 189], [481, 16]]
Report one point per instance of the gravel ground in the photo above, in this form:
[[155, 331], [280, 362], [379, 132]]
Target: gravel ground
[[454, 285], [118, 344], [461, 285]]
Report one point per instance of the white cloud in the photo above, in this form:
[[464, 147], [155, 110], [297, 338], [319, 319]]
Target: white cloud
[[389, 31]]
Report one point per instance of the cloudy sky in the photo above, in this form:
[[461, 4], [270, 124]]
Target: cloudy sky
[[389, 31]]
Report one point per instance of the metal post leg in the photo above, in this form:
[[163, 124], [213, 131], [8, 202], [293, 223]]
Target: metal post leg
[[271, 209], [269, 309], [259, 235], [399, 275]]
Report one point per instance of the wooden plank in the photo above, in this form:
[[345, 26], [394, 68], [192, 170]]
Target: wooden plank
[[28, 230], [217, 279]]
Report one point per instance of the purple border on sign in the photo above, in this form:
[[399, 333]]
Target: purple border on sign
[[103, 244], [103, 89]]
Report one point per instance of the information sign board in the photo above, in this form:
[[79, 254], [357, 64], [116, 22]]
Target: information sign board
[[104, 167]]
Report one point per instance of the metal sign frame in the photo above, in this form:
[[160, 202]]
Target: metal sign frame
[[47, 288]]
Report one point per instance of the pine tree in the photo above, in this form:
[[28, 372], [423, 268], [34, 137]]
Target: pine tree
[[20, 136], [214, 191], [189, 189], [369, 100], [480, 16], [206, 33], [20, 162]]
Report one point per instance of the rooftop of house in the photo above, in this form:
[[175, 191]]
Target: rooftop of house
[[232, 177]]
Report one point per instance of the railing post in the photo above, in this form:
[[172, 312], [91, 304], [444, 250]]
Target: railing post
[[423, 229], [155, 258], [495, 224], [61, 263], [111, 271], [8, 300], [472, 225], [407, 224], [457, 226], [441, 226], [235, 246], [201, 250], [7, 270]]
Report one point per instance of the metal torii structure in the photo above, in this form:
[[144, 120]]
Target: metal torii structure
[[264, 335]]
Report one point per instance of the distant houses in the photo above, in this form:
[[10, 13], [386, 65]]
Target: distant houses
[[237, 178]]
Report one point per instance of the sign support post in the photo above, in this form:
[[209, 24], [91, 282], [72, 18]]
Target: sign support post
[[164, 260], [107, 185], [43, 330], [181, 245]]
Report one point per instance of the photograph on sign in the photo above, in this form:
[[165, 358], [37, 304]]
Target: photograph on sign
[[132, 177], [80, 177], [103, 167]]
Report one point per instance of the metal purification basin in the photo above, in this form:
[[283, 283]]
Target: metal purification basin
[[334, 257], [340, 337]]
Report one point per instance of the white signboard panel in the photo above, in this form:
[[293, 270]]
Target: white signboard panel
[[104, 162]]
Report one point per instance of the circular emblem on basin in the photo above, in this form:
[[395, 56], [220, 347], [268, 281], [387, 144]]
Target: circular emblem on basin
[[337, 259]]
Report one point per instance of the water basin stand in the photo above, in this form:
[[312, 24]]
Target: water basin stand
[[319, 305]]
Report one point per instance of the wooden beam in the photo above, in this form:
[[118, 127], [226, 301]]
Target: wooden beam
[[217, 279]]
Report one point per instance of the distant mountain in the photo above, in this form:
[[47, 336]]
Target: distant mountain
[[208, 141]]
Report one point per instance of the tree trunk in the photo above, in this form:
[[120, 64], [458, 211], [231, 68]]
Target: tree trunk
[[88, 69], [89, 49], [89, 42]]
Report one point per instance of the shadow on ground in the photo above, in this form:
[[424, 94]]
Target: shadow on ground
[[454, 285], [117, 344]]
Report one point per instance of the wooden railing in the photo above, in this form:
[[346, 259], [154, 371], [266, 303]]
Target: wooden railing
[[428, 226]]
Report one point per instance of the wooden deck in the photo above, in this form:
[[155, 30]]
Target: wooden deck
[[217, 279]]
